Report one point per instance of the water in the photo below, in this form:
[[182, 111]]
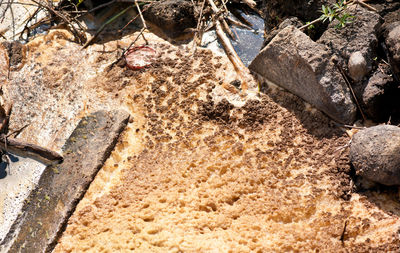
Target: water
[[248, 43]]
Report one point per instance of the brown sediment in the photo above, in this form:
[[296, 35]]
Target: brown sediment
[[192, 174]]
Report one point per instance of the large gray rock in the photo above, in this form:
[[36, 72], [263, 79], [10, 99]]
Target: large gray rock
[[377, 95], [295, 62], [360, 35], [375, 154], [392, 41], [294, 21]]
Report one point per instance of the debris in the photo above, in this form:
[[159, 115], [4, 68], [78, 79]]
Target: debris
[[20, 148], [140, 57]]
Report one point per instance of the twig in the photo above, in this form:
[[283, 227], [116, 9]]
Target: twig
[[16, 3], [347, 126], [343, 232], [311, 23], [365, 5], [351, 90], [17, 132], [3, 15], [33, 151], [238, 23], [5, 118], [133, 19], [209, 27], [79, 36], [231, 53], [237, 63], [12, 22], [199, 32], [237, 15], [143, 21], [222, 21], [104, 26], [27, 22], [123, 52], [130, 21]]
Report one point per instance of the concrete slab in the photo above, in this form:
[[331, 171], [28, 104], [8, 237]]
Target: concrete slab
[[60, 188], [25, 174]]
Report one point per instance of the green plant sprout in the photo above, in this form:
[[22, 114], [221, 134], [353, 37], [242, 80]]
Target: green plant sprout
[[330, 13], [337, 11]]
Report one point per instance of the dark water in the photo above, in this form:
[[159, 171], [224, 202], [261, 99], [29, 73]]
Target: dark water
[[4, 167], [249, 43]]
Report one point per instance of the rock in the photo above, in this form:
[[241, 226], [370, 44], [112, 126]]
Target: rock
[[294, 21], [172, 17], [357, 66], [295, 62], [377, 95], [392, 41], [360, 35], [375, 154]]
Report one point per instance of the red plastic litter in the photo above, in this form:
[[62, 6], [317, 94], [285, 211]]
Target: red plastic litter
[[140, 57]]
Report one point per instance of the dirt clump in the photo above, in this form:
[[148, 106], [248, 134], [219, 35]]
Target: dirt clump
[[16, 53]]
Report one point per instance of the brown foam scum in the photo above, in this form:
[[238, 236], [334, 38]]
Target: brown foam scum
[[193, 175]]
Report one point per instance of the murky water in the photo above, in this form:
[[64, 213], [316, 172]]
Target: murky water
[[248, 43]]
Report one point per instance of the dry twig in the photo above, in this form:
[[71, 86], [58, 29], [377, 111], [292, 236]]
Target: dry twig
[[80, 37], [237, 63], [126, 50], [198, 35], [143, 21], [23, 149], [351, 90]]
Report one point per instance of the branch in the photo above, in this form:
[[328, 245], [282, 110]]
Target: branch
[[311, 23], [143, 21], [361, 2], [33, 151], [104, 26], [78, 35], [5, 117], [341, 71], [222, 21], [237, 63]]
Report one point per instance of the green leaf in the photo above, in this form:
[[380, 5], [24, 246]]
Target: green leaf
[[310, 27], [79, 2]]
